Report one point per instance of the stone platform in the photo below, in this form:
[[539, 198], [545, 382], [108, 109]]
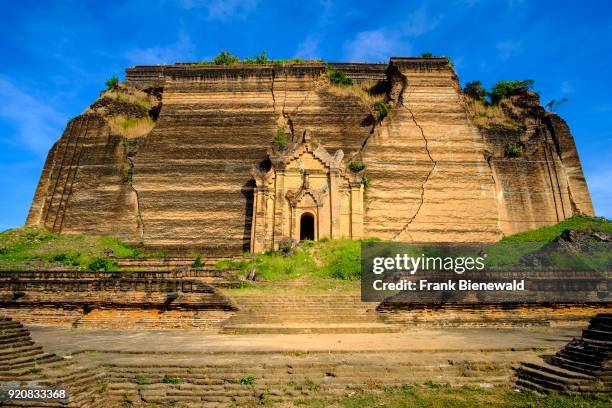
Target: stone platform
[[197, 369]]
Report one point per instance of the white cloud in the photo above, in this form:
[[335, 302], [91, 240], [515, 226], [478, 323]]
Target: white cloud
[[309, 48], [375, 45], [182, 50], [36, 123], [222, 9], [509, 48], [381, 43], [419, 23]]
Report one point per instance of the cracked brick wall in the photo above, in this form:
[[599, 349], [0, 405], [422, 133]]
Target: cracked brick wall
[[433, 175]]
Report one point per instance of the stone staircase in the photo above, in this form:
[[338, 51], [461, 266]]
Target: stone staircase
[[168, 263], [583, 365], [259, 314], [284, 380], [24, 364]]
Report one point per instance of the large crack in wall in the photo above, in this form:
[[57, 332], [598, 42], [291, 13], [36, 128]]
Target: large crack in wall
[[433, 167], [400, 103]]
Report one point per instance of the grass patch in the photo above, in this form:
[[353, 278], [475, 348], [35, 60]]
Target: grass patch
[[227, 58], [551, 232], [37, 247], [486, 115], [130, 95], [130, 127], [102, 264], [326, 259], [171, 380], [248, 379], [370, 93], [458, 397]]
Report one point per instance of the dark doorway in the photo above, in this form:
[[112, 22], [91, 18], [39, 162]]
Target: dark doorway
[[307, 227]]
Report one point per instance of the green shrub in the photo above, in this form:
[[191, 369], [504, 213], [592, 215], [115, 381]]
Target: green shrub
[[197, 263], [112, 83], [357, 165], [257, 59], [171, 380], [365, 180], [101, 264], [504, 89], [514, 149], [280, 138], [248, 379], [427, 55], [475, 90], [225, 58], [337, 78], [382, 109]]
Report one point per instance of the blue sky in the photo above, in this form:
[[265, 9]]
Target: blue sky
[[57, 56]]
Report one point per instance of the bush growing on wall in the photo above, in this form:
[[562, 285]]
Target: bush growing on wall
[[357, 165], [225, 58], [514, 149], [112, 83], [337, 78], [504, 89], [475, 90], [382, 109], [280, 138]]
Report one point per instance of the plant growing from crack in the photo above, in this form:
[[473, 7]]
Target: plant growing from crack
[[280, 139], [514, 149], [382, 109], [357, 165]]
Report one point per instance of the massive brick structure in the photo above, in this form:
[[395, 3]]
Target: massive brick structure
[[190, 182]]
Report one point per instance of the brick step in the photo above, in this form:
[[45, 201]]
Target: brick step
[[599, 335], [9, 324], [20, 353], [305, 328], [576, 365], [506, 323], [288, 318], [29, 361], [590, 356], [597, 344], [6, 333], [20, 349], [558, 372], [16, 344], [553, 381], [11, 339]]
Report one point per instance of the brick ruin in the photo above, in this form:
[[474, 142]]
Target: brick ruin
[[195, 181]]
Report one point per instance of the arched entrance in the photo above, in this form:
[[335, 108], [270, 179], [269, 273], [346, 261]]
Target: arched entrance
[[307, 227]]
